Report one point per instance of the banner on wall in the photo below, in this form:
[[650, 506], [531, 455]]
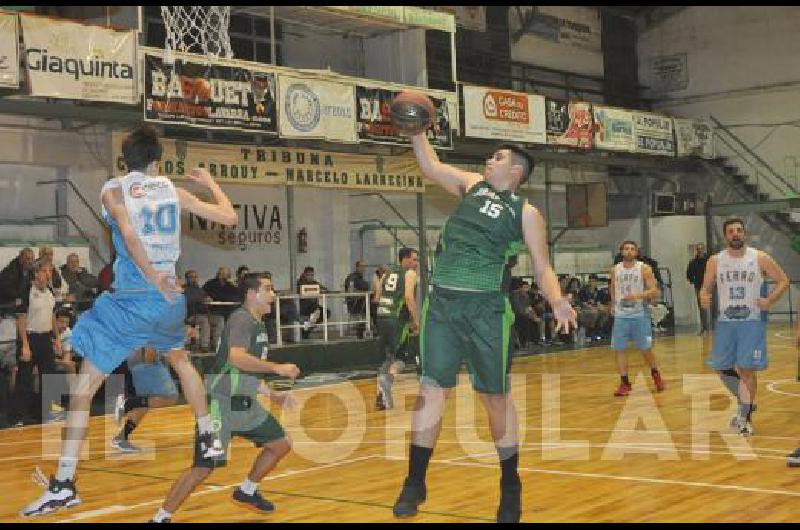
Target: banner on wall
[[653, 133], [613, 128], [9, 51], [311, 108], [216, 96], [504, 115], [375, 125], [560, 37], [258, 239], [694, 138], [77, 61], [279, 166], [570, 123]]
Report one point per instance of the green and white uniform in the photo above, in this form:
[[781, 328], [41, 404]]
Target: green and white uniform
[[467, 316], [393, 319], [233, 393]]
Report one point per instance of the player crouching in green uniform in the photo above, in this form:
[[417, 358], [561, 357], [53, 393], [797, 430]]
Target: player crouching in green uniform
[[241, 359]]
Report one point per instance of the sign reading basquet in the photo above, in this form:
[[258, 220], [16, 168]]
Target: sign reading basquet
[[9, 51], [313, 108], [211, 95], [79, 61], [504, 115], [375, 124]]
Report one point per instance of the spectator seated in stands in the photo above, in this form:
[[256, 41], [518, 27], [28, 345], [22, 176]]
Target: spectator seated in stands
[[527, 321], [544, 313], [82, 285], [595, 309], [16, 277], [310, 310], [197, 312]]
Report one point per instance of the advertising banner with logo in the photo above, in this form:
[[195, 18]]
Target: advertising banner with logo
[[203, 94], [613, 128], [653, 134], [504, 115], [694, 138], [9, 51], [280, 166], [570, 123], [77, 61], [375, 124], [312, 108], [258, 240]]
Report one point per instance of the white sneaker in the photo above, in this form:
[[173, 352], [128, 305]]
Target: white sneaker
[[119, 409], [124, 446], [59, 494], [742, 426]]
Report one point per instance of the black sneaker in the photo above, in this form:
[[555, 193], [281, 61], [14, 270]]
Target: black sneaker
[[210, 444], [255, 500], [793, 460], [509, 510], [412, 495]]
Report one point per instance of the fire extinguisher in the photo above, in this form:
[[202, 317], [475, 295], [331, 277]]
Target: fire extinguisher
[[302, 241]]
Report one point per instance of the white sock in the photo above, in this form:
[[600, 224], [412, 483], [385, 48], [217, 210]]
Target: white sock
[[66, 468], [161, 515], [248, 486], [205, 423]]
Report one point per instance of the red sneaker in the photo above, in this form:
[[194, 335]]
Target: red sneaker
[[658, 382], [623, 390]]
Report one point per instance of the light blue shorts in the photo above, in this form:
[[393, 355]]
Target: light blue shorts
[[124, 321], [153, 379], [742, 344], [637, 329]]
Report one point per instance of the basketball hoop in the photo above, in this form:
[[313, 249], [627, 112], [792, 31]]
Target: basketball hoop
[[197, 29]]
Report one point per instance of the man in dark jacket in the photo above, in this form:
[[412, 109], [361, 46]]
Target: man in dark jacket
[[16, 277], [694, 274], [82, 285], [220, 289]]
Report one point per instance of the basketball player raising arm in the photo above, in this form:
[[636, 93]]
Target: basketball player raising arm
[[458, 182], [221, 212]]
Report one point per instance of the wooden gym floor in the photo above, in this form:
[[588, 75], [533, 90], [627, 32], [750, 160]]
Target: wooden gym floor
[[586, 455]]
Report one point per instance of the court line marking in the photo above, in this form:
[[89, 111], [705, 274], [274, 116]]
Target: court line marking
[[626, 478], [208, 489], [771, 387]]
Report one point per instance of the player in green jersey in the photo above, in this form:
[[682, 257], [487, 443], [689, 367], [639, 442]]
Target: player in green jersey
[[241, 360], [467, 317], [397, 321]]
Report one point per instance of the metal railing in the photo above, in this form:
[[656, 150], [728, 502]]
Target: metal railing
[[763, 173], [324, 320]]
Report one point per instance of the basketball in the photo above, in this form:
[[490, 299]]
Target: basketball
[[411, 112]]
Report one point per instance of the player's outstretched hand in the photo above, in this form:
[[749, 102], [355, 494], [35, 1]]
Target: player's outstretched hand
[[565, 316], [288, 370]]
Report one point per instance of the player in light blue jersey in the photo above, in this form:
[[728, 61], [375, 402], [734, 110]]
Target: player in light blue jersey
[[144, 306]]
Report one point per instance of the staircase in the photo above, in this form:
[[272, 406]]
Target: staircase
[[762, 189]]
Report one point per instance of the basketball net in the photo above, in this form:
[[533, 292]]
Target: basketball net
[[197, 29]]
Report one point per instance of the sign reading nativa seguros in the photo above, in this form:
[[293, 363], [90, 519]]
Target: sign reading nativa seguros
[[78, 61], [281, 166]]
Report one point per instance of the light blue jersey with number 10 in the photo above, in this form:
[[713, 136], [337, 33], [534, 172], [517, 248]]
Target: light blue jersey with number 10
[[154, 211]]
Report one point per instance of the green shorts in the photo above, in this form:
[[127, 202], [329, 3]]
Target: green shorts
[[393, 335], [467, 326], [240, 416]]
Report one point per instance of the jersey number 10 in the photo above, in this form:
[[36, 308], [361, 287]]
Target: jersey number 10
[[164, 221]]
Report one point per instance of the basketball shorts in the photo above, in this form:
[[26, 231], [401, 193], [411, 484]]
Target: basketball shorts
[[637, 329], [742, 344]]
